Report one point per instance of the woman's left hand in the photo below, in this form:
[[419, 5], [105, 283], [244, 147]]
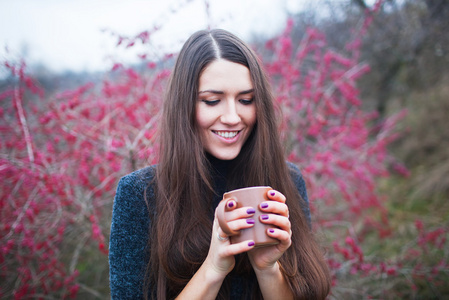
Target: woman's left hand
[[275, 213]]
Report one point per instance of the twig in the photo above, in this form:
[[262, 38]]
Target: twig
[[91, 291], [22, 213], [77, 253], [24, 124]]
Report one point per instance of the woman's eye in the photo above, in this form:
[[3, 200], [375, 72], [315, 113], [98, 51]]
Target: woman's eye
[[246, 101], [211, 102]]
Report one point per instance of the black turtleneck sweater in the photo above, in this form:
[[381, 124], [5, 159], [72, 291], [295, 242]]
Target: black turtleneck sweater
[[128, 254]]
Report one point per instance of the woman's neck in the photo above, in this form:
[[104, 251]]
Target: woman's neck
[[219, 167]]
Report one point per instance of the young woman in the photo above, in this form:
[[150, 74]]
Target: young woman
[[218, 132]]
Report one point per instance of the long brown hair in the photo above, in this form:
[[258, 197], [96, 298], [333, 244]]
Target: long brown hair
[[181, 228]]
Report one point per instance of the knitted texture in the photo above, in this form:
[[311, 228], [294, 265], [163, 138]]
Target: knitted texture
[[131, 220]]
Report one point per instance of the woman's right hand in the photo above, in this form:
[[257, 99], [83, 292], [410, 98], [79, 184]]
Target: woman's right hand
[[221, 252], [207, 281]]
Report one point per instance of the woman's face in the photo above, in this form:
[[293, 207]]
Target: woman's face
[[225, 110]]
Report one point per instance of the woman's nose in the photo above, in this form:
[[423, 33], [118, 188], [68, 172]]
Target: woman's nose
[[230, 116]]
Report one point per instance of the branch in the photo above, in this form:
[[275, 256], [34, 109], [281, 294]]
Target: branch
[[23, 124]]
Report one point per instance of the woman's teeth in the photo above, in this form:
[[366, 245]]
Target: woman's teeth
[[227, 134]]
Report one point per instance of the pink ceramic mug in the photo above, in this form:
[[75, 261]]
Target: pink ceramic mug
[[252, 197]]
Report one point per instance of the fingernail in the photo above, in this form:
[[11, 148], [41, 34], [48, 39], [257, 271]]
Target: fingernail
[[251, 244], [231, 204], [272, 193], [264, 205], [271, 230], [250, 221], [250, 211], [264, 217]]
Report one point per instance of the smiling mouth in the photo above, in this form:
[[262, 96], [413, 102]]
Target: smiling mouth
[[227, 134]]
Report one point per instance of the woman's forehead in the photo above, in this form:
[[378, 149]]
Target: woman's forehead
[[223, 75]]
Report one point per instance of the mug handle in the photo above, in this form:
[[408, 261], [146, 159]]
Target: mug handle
[[221, 209]]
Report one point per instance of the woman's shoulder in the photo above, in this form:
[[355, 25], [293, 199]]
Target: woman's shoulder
[[295, 172], [133, 192], [139, 177], [133, 185], [298, 180], [300, 184]]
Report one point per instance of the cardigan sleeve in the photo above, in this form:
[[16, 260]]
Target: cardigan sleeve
[[300, 184], [129, 238]]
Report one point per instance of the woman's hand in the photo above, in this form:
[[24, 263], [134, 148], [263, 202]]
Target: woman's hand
[[275, 213], [206, 282], [221, 252], [220, 259]]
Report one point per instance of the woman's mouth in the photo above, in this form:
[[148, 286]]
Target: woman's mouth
[[227, 134]]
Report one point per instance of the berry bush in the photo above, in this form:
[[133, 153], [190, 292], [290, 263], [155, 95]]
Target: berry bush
[[62, 154]]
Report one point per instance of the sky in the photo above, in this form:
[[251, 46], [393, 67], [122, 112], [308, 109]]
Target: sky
[[75, 35]]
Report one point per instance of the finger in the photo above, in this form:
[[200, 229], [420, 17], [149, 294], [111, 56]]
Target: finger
[[240, 213], [283, 236], [240, 224], [238, 248], [222, 238], [222, 234], [276, 196], [231, 205], [274, 207], [276, 220]]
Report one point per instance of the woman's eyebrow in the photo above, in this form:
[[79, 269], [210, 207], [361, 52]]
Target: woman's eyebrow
[[221, 92], [212, 92], [246, 92]]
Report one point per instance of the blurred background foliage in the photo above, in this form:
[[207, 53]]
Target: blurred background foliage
[[407, 49]]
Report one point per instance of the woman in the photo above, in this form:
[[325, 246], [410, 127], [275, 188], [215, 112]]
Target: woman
[[218, 133]]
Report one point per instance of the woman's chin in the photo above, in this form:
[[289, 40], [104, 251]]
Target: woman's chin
[[224, 155]]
